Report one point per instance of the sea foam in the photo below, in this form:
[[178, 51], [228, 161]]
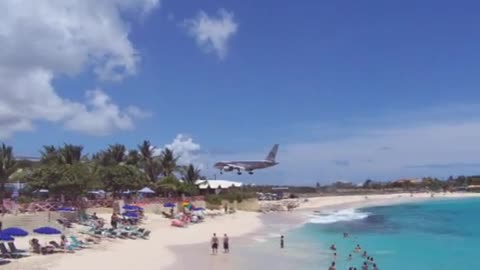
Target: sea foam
[[337, 216]]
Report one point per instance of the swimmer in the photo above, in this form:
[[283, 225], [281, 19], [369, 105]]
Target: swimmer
[[358, 248], [345, 235], [364, 255], [375, 267], [365, 266], [349, 257], [333, 247], [332, 267], [335, 256]]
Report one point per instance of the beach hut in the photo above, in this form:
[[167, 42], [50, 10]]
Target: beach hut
[[146, 190]]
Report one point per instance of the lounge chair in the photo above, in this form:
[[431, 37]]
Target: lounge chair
[[145, 235], [7, 254], [14, 249], [79, 242]]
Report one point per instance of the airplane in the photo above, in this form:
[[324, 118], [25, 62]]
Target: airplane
[[248, 166]]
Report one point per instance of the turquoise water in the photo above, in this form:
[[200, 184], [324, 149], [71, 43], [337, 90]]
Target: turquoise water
[[434, 235]]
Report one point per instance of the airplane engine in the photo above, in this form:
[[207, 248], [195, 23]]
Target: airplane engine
[[227, 168]]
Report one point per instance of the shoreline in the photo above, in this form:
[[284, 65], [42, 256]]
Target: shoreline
[[168, 246], [275, 224]]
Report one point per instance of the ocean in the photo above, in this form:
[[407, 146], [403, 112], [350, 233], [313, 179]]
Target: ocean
[[431, 235]]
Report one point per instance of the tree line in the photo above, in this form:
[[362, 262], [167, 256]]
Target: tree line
[[66, 170]]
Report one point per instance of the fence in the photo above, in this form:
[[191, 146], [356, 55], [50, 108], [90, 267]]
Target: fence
[[10, 206]]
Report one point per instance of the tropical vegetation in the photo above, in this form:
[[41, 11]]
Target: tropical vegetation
[[68, 171]]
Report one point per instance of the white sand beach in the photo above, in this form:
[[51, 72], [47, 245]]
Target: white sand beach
[[155, 253]]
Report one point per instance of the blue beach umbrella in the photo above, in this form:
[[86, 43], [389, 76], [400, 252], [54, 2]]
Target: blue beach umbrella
[[6, 237], [168, 204], [132, 208], [14, 231], [66, 209], [131, 215], [47, 230]]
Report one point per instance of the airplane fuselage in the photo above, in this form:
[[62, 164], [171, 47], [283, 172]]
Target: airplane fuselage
[[247, 165]]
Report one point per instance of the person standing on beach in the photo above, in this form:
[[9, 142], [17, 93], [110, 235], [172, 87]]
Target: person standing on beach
[[226, 246], [214, 244], [281, 241], [114, 220]]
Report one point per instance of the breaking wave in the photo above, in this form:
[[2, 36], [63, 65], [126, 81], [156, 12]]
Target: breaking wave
[[337, 216]]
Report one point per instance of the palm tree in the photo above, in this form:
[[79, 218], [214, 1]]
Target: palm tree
[[190, 174], [148, 162], [8, 165], [117, 152], [133, 158], [70, 154], [49, 154], [168, 161]]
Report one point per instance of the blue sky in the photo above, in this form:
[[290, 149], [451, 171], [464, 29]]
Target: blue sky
[[350, 89]]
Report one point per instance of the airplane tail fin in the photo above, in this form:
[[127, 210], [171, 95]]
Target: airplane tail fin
[[273, 153]]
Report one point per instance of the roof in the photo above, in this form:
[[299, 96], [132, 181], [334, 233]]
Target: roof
[[223, 184]]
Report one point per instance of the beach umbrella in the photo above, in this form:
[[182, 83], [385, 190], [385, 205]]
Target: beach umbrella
[[168, 204], [6, 237], [131, 215], [146, 190], [132, 207], [14, 231], [198, 209], [47, 230], [66, 209]]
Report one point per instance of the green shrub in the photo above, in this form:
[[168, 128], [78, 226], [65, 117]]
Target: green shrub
[[24, 199], [213, 199]]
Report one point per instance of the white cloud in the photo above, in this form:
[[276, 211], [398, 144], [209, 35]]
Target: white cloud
[[187, 149], [212, 33], [99, 116], [411, 152], [41, 40]]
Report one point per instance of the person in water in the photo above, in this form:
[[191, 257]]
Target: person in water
[[358, 248], [333, 247], [281, 241], [365, 266], [364, 255], [332, 267], [349, 257], [375, 267]]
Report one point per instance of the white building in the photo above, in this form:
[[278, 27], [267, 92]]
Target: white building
[[208, 186]]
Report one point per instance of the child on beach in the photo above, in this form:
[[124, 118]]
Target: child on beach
[[214, 244]]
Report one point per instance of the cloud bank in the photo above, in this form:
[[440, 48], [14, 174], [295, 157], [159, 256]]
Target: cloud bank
[[42, 40]]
